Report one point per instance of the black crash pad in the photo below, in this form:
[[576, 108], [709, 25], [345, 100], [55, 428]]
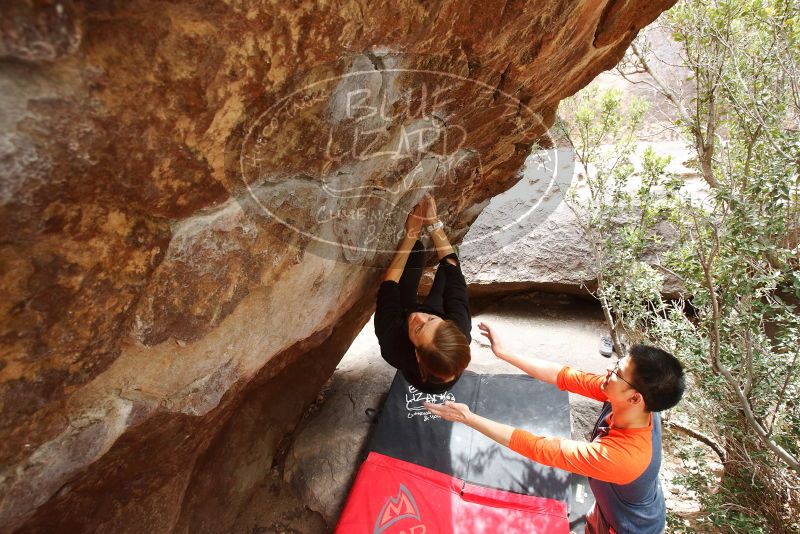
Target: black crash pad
[[408, 432]]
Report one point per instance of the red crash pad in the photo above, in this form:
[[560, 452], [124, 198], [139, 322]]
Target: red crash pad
[[390, 496]]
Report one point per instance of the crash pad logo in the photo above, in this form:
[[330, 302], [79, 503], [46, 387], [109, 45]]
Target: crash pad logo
[[416, 399], [396, 509]]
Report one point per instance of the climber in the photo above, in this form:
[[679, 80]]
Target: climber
[[623, 456], [429, 342]]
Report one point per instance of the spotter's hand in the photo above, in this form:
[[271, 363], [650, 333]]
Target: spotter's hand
[[490, 333], [450, 411]]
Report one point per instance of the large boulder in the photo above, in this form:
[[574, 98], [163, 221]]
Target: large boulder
[[554, 255], [195, 202]]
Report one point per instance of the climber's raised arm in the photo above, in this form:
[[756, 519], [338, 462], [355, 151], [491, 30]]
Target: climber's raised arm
[[412, 230], [436, 230]]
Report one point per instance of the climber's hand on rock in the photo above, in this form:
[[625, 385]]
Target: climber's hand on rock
[[415, 219], [430, 215]]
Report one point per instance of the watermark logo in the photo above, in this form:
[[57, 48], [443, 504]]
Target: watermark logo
[[416, 399], [334, 160]]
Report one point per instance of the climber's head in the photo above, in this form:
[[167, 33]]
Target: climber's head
[[442, 349]]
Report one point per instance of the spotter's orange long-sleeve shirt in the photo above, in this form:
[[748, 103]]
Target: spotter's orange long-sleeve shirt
[[619, 457]]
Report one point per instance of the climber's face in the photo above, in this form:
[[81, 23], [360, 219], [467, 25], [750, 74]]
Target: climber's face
[[422, 327]]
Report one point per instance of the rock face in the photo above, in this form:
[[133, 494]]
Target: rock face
[[194, 199], [554, 255], [328, 447]]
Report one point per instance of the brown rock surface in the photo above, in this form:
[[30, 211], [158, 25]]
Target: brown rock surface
[[180, 272]]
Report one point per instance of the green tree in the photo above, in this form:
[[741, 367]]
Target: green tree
[[617, 205], [738, 255]]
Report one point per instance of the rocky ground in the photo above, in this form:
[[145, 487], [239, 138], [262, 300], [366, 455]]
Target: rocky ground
[[307, 492]]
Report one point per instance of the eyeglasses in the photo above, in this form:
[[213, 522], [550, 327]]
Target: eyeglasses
[[615, 370]]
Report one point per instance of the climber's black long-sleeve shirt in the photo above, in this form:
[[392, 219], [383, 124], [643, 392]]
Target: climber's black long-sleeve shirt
[[391, 319]]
